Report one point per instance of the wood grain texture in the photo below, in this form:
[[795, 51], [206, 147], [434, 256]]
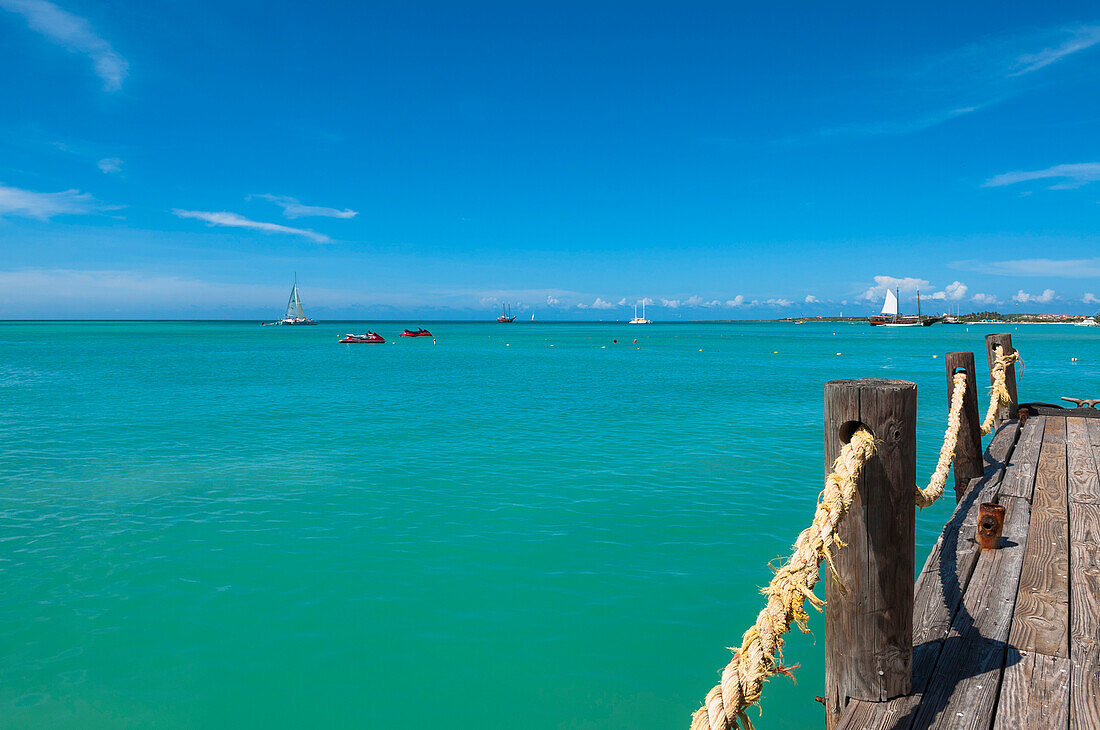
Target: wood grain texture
[[1084, 525], [1094, 432], [1041, 622], [1034, 694], [1002, 443], [1019, 480], [968, 450], [1081, 466], [869, 622]]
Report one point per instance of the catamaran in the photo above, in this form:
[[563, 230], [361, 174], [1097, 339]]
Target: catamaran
[[294, 313], [890, 317], [637, 319]]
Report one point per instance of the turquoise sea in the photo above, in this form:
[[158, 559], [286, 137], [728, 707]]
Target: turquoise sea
[[218, 525]]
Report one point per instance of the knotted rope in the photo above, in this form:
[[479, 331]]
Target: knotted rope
[[758, 658], [998, 392]]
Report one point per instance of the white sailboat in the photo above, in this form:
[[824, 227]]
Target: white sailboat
[[294, 312], [889, 317], [637, 319]]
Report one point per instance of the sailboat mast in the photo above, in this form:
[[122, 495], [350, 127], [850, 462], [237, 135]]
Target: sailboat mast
[[918, 305]]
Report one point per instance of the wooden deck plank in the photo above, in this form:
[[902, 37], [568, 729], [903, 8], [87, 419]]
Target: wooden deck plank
[[1034, 694], [1094, 431], [1041, 620], [1001, 445], [1084, 526], [1019, 480], [1082, 467], [963, 689]]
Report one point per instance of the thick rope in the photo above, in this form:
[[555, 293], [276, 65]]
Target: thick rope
[[758, 658], [938, 482], [998, 392]]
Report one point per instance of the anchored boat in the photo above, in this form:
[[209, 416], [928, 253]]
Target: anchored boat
[[418, 332], [637, 319], [294, 312], [506, 314], [891, 318]]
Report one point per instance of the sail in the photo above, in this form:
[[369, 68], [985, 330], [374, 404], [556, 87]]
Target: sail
[[294, 306], [891, 305]]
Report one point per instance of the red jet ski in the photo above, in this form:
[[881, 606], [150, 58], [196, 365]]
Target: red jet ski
[[419, 332], [369, 337]]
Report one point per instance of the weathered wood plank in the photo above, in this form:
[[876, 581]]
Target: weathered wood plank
[[1094, 431], [963, 689], [1019, 480], [1034, 694], [894, 714], [1082, 468], [1041, 621], [1002, 443], [1084, 522]]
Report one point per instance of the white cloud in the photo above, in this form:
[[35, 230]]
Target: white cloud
[[670, 303], [1022, 297], [598, 304], [29, 204], [693, 301], [73, 33], [907, 285], [985, 299], [293, 209], [552, 300], [1075, 175], [778, 302], [235, 221], [1090, 298], [646, 301], [1067, 268], [810, 299], [1082, 39], [110, 164], [955, 291], [737, 301], [622, 302]]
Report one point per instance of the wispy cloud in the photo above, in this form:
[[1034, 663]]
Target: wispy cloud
[[233, 220], [947, 86], [1063, 268], [43, 206], [810, 299], [1080, 39], [1075, 175], [778, 302], [1022, 297], [1090, 298], [110, 164], [737, 301], [598, 304], [294, 209], [75, 34]]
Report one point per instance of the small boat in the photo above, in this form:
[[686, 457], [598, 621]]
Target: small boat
[[418, 332], [1087, 322], [890, 317], [368, 337], [294, 313], [506, 314], [637, 319]]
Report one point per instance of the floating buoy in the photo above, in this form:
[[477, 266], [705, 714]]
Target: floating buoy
[[635, 340], [700, 349], [838, 353], [775, 352], [934, 357], [507, 344]]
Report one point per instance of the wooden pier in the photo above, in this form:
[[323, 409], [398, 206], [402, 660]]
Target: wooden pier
[[1000, 638]]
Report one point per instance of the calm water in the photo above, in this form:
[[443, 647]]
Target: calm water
[[220, 525]]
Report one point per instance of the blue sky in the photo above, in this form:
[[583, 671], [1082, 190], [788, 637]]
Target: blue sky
[[418, 159]]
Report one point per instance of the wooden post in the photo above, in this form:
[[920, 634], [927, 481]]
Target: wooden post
[[1003, 339], [869, 619], [968, 451]]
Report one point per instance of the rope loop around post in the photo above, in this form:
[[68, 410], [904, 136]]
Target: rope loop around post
[[938, 482], [998, 392]]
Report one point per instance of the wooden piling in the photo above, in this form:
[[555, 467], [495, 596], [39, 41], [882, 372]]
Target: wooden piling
[[869, 614], [968, 451], [1005, 412]]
